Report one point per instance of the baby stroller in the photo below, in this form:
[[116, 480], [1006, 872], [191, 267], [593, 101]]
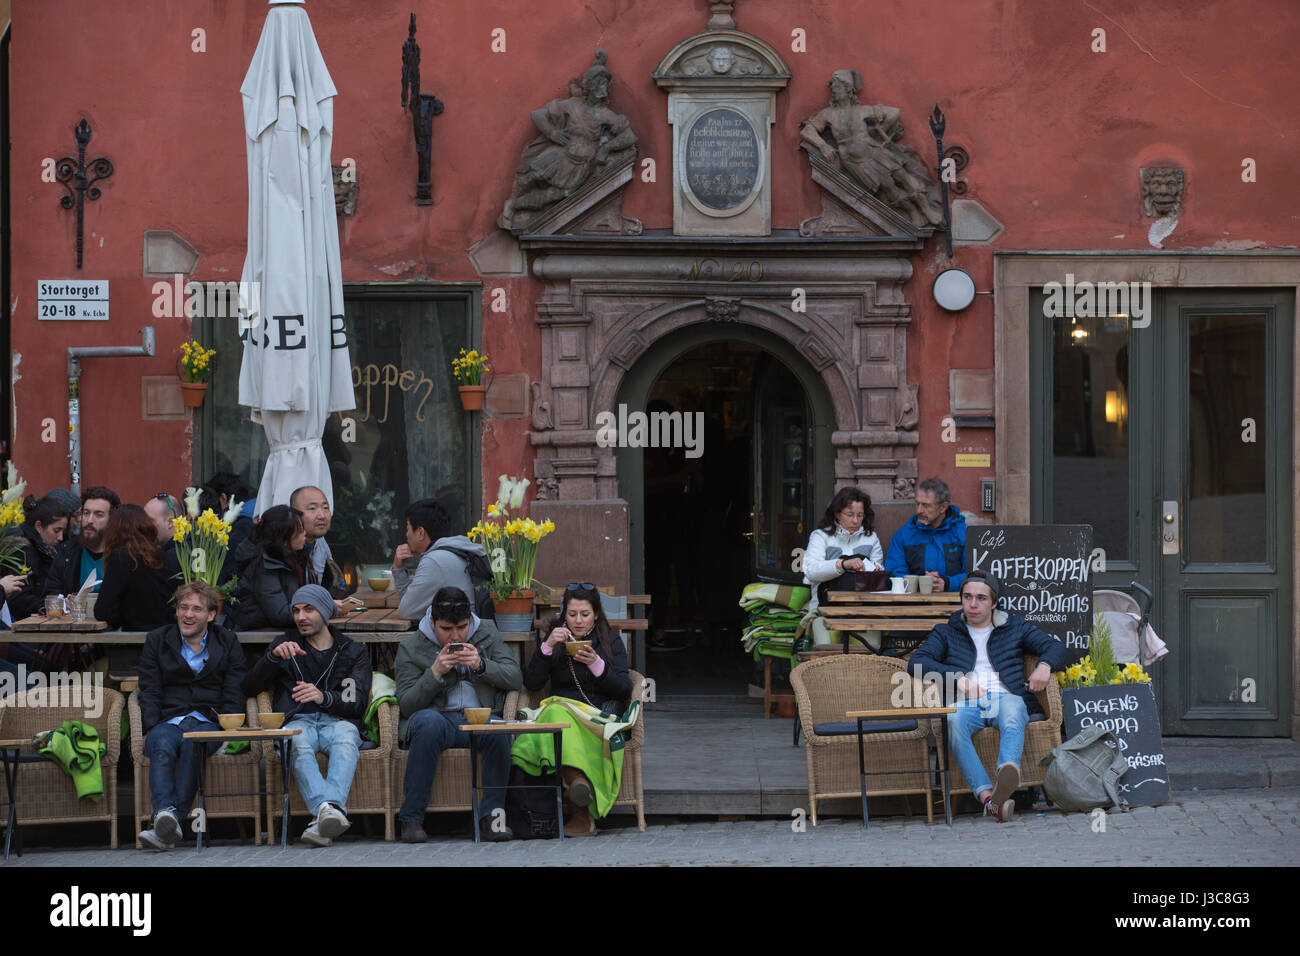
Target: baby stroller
[[1131, 636]]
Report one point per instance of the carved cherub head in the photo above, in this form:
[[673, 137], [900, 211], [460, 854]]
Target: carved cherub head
[[1162, 190], [721, 58]]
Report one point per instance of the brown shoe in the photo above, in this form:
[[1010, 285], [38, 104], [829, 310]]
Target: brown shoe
[[577, 788], [580, 824], [1007, 784]]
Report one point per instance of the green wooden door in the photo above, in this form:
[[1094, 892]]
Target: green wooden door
[[1146, 434]]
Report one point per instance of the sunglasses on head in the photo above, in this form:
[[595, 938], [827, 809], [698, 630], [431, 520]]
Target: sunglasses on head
[[451, 610], [167, 500], [578, 586]]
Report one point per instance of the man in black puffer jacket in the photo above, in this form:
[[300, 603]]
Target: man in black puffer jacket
[[321, 683], [190, 672], [980, 656]]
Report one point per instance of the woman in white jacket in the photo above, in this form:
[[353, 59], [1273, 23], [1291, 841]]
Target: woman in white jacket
[[843, 543]]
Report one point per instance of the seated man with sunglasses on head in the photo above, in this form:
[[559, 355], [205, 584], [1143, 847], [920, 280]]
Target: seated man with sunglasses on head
[[456, 661]]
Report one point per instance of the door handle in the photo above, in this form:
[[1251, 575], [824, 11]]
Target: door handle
[[1169, 543]]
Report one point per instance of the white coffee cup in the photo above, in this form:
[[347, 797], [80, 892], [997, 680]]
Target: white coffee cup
[[926, 584], [912, 583], [898, 585]]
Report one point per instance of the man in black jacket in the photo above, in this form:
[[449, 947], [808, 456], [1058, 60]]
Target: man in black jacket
[[77, 557], [321, 682], [190, 672], [980, 655]]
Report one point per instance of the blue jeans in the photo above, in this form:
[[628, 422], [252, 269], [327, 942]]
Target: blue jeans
[[432, 732], [341, 742], [174, 763], [1007, 713]]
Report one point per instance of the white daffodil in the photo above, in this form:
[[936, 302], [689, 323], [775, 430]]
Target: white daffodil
[[15, 490], [517, 493], [192, 502], [503, 491], [232, 512]]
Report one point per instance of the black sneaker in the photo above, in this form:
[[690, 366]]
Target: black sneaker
[[413, 832], [489, 835]]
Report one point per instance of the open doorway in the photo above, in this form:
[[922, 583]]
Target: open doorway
[[715, 522]]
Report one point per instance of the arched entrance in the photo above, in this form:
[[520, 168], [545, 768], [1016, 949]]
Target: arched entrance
[[701, 527]]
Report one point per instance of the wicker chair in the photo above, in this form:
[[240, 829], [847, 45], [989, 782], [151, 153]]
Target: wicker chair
[[825, 690], [45, 793], [225, 773], [1040, 737], [631, 791], [372, 784], [451, 784]]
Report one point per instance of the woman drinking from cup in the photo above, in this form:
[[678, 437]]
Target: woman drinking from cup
[[843, 544], [586, 667]]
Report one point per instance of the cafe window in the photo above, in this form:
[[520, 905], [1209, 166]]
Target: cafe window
[[407, 438]]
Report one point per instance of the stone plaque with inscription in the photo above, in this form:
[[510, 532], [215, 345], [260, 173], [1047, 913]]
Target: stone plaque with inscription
[[722, 159]]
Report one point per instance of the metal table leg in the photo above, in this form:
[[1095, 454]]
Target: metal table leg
[[862, 775], [556, 735], [473, 781], [947, 767], [11, 786], [203, 769], [286, 763]]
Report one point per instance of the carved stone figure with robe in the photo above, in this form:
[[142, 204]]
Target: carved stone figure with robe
[[863, 141], [581, 137]]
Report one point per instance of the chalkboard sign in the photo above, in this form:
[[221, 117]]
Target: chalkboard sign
[[1045, 574], [1129, 712], [722, 156]]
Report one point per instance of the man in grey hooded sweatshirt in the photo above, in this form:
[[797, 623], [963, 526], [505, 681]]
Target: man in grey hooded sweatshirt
[[430, 542]]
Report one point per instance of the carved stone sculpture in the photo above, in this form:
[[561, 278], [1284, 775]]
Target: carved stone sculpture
[[863, 141], [345, 191], [548, 489], [904, 489], [1162, 191], [581, 137], [909, 413], [722, 60], [542, 420]]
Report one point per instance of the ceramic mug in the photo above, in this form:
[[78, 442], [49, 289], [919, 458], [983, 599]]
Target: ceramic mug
[[898, 585], [913, 583], [926, 584]]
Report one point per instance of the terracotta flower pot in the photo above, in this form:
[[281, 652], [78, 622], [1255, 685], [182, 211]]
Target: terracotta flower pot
[[519, 602], [192, 393], [471, 396]]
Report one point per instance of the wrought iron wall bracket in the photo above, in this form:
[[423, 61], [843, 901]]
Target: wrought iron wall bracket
[[424, 107], [960, 157], [79, 180]]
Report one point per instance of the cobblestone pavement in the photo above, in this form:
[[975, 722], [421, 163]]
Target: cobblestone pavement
[[1219, 828]]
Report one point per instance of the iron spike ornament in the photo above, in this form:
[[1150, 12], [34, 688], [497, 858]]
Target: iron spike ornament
[[960, 157], [79, 180], [424, 107]]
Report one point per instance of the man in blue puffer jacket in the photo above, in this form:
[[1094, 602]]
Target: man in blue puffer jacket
[[979, 655], [933, 541]]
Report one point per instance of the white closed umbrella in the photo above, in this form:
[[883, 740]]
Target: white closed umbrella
[[297, 367]]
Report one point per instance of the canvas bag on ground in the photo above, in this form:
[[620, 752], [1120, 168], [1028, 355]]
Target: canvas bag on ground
[[1082, 773]]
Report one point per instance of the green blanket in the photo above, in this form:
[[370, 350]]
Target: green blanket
[[76, 748], [382, 688], [593, 743], [790, 596]]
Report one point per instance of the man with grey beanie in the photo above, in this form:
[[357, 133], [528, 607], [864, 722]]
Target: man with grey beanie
[[320, 679]]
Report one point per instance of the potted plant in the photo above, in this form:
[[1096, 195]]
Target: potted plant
[[1099, 669], [468, 368], [196, 363], [202, 541], [512, 545]]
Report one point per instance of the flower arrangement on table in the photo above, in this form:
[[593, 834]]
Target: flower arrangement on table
[[12, 516], [196, 361], [1099, 668], [202, 541], [511, 543], [468, 367]]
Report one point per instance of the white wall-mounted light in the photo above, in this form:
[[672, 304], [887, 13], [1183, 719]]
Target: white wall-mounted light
[[953, 289]]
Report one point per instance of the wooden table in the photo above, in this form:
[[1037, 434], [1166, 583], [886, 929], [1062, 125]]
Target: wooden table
[[13, 835], [886, 611], [280, 736], [902, 713], [514, 728], [65, 624]]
